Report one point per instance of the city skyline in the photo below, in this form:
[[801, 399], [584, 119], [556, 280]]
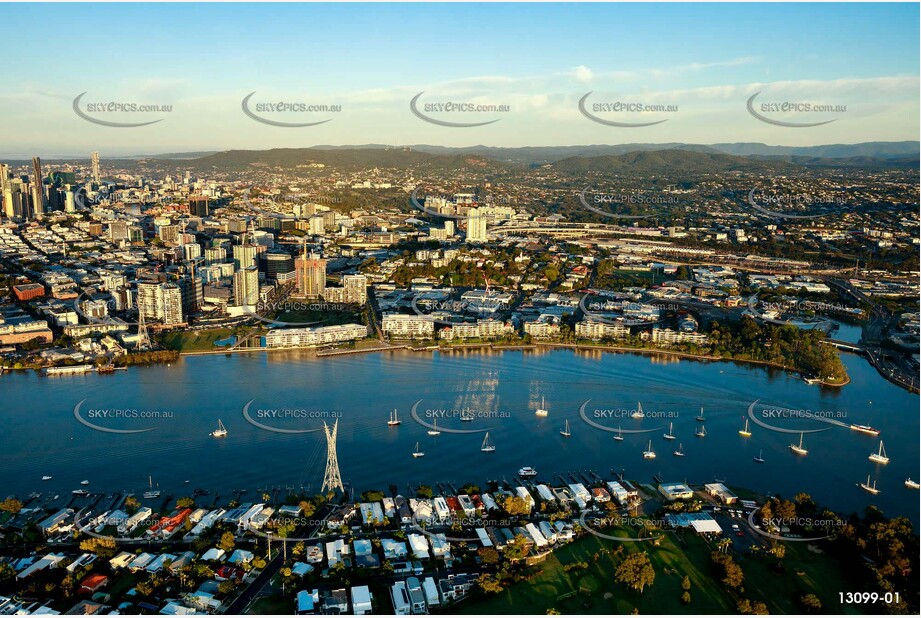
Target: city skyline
[[857, 63]]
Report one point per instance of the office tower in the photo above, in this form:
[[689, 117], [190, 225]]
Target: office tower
[[215, 255], [246, 287], [70, 204], [198, 206], [38, 194], [4, 178], [172, 304], [476, 226], [244, 256], [94, 158], [193, 293], [311, 276], [277, 266]]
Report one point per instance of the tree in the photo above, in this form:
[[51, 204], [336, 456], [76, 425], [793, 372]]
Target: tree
[[489, 583], [516, 506], [488, 555], [104, 547], [132, 504], [686, 583], [635, 571], [11, 505], [185, 502], [732, 572], [424, 491], [227, 542], [686, 597], [811, 603]]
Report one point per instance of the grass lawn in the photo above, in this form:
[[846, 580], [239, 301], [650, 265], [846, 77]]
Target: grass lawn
[[325, 318], [195, 341], [276, 604], [675, 557]]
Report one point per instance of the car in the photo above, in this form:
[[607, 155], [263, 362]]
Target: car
[[740, 533], [735, 526]]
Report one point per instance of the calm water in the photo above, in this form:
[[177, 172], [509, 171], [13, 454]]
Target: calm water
[[42, 437]]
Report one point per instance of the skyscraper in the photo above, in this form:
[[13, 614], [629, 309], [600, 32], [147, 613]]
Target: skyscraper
[[476, 226], [311, 276], [246, 287], [160, 301], [244, 256], [38, 193], [198, 206], [94, 158]]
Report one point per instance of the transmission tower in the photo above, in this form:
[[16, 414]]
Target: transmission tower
[[143, 337], [332, 479]]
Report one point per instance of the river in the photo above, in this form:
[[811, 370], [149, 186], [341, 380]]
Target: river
[[42, 436]]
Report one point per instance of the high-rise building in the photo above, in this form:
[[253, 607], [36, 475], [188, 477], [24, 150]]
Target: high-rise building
[[476, 226], [38, 193], [311, 276], [244, 256], [198, 206], [193, 294], [246, 287], [356, 288], [277, 265], [160, 301], [94, 158]]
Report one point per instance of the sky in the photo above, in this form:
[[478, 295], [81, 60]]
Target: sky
[[698, 64]]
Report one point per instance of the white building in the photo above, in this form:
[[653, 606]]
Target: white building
[[403, 326]]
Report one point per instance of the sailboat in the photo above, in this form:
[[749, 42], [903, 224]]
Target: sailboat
[[745, 432], [702, 432], [669, 435], [799, 450], [466, 418], [434, 430], [759, 458], [869, 488], [417, 452], [700, 417], [542, 411], [221, 431], [487, 446], [394, 419], [649, 453], [565, 432], [620, 435], [680, 451], [880, 456], [638, 413]]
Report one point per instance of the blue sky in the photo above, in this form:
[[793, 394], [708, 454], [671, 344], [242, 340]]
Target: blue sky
[[371, 59]]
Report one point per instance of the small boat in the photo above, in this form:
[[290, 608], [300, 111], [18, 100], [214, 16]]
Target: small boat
[[84, 483], [869, 488], [46, 478], [759, 458], [542, 411], [394, 419], [466, 418], [669, 435], [799, 450], [434, 430], [150, 495], [865, 429], [700, 417], [809, 380], [649, 453], [702, 432], [880, 456], [910, 484], [80, 492], [221, 431], [745, 432], [417, 452], [527, 471], [638, 413], [680, 451], [487, 447], [620, 435], [565, 432]]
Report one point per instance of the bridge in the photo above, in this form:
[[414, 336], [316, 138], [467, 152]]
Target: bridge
[[857, 348]]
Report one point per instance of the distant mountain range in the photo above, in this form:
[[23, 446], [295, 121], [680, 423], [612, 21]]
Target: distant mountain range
[[865, 155], [650, 162]]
